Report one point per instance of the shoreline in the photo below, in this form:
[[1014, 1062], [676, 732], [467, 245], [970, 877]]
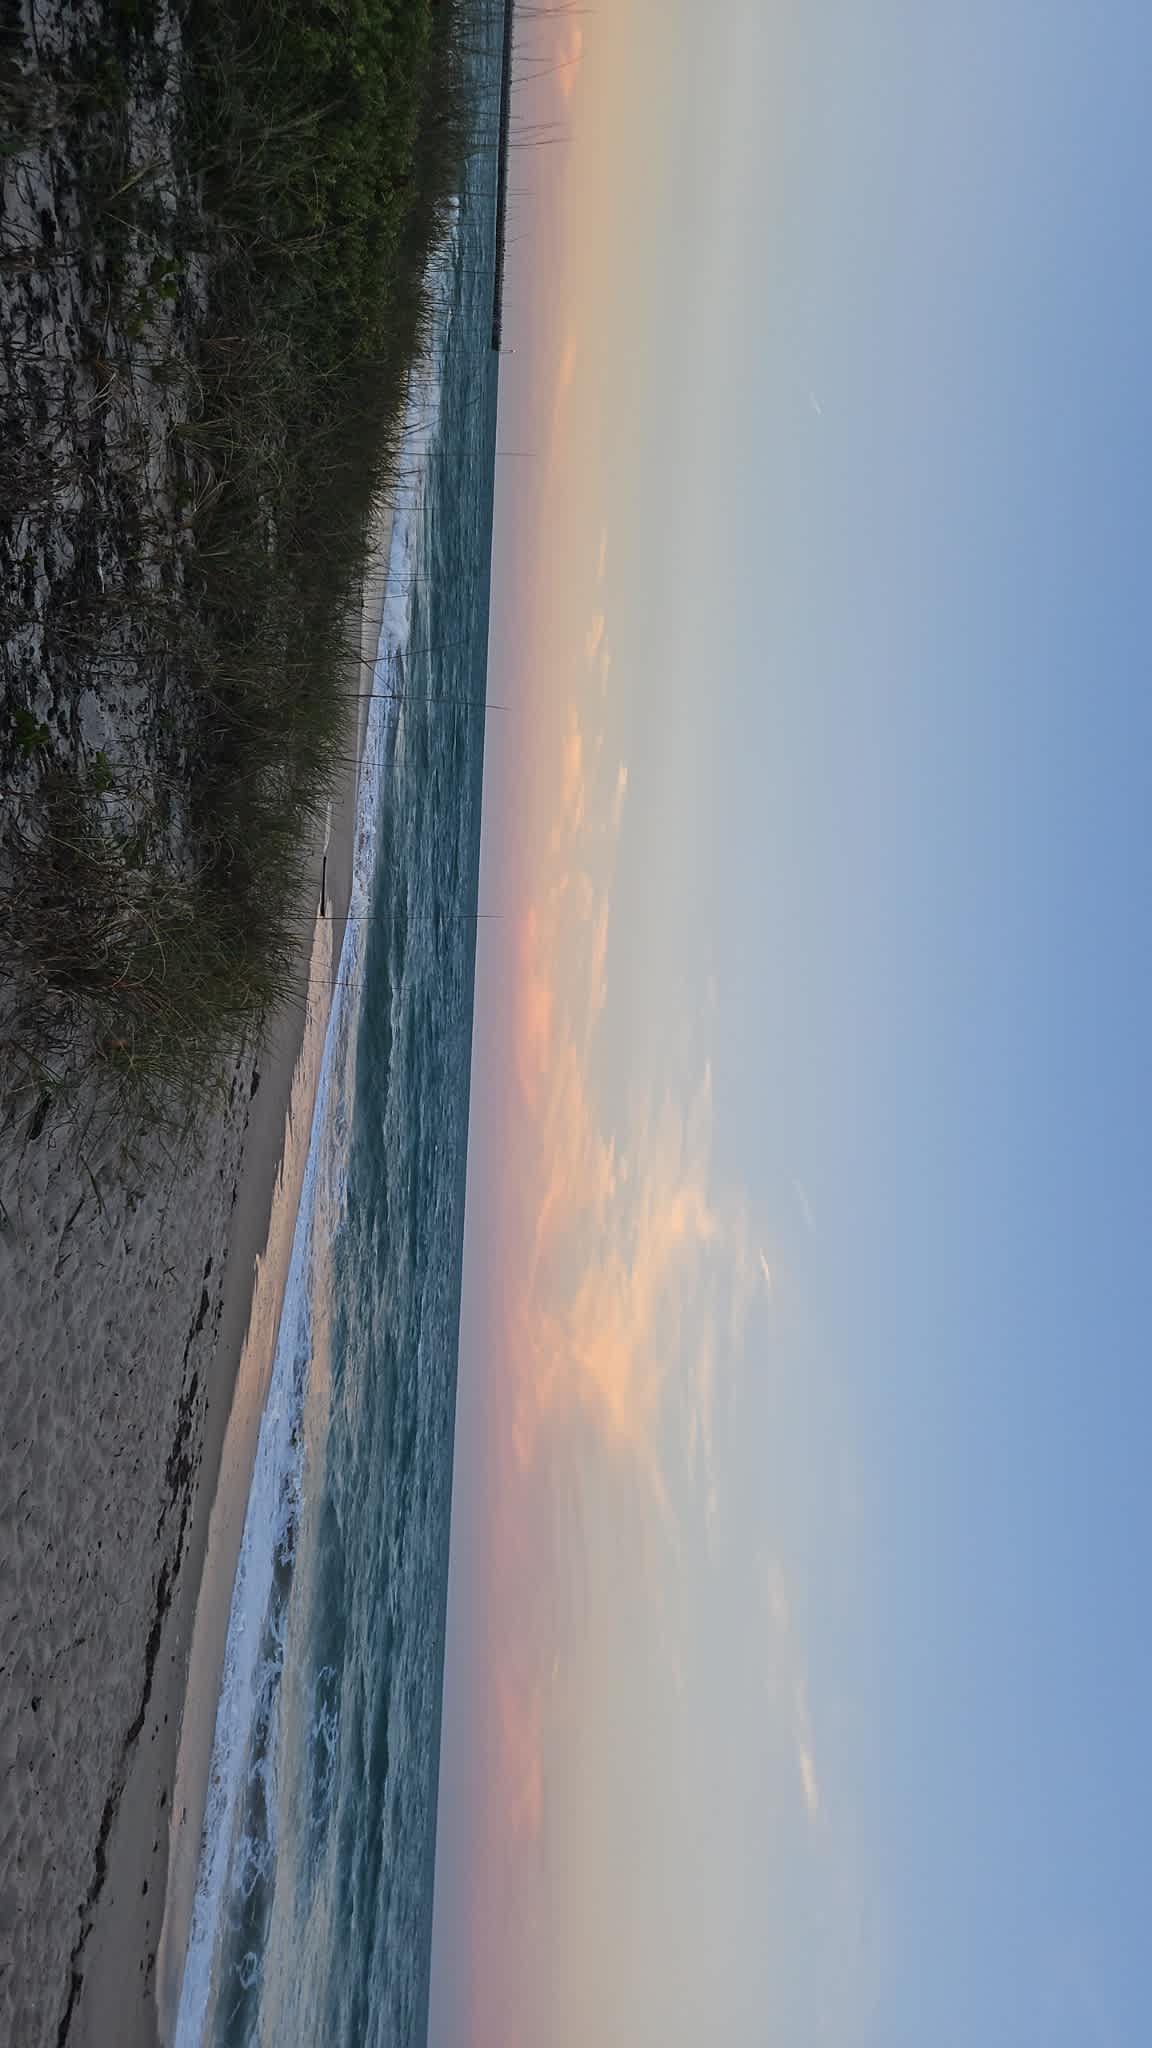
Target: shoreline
[[141, 1922]]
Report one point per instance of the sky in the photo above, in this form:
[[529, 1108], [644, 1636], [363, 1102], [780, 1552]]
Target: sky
[[799, 1671]]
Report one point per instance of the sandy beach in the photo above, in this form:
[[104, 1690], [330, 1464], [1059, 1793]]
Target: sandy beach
[[141, 1299]]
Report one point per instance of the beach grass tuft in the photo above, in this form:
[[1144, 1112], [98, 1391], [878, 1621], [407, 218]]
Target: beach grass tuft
[[247, 324]]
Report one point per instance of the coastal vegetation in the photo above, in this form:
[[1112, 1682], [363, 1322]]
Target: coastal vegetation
[[216, 225]]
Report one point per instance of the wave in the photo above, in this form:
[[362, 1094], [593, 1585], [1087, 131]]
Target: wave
[[238, 1843]]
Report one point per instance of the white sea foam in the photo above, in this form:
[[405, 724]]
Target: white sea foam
[[251, 1673]]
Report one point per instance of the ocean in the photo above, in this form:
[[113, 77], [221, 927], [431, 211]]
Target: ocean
[[313, 1908]]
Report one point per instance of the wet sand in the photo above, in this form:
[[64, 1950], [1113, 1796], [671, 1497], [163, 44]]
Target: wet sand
[[133, 1957]]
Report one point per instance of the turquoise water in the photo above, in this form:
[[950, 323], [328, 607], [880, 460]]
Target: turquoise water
[[313, 1910]]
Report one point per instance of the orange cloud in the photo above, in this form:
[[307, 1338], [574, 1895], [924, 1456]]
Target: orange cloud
[[624, 1278], [637, 1275], [533, 1024], [619, 1235], [568, 61], [625, 1274], [572, 776]]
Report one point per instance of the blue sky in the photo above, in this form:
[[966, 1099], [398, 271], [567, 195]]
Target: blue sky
[[829, 1635], [955, 806]]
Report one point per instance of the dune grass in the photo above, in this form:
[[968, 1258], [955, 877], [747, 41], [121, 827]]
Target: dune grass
[[151, 920]]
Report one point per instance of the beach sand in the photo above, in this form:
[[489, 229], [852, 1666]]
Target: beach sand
[[127, 1289]]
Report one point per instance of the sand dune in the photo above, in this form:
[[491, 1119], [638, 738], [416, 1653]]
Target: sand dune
[[126, 1284]]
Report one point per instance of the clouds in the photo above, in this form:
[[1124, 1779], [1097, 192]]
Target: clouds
[[786, 1681], [622, 1235], [809, 1784], [628, 1271], [568, 58], [653, 1732], [808, 1780], [638, 1270], [627, 1268]]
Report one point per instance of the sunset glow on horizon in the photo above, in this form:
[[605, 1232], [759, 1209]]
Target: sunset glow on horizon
[[763, 1312], [624, 1270]]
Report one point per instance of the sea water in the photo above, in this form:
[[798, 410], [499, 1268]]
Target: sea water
[[313, 1907]]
